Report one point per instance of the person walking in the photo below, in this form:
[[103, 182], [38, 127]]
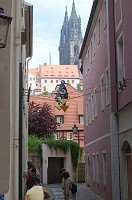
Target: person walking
[[67, 187], [61, 174], [30, 165], [36, 192]]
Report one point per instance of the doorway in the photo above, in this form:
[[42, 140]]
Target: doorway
[[54, 166]]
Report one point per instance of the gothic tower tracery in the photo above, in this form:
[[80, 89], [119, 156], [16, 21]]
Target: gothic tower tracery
[[70, 39]]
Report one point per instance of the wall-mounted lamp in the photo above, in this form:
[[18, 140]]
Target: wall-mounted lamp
[[76, 131], [4, 27]]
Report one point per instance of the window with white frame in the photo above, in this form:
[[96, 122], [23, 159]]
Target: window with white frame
[[88, 165], [94, 168], [33, 78], [57, 136], [60, 119], [97, 167], [88, 59], [120, 59], [44, 88], [104, 169], [91, 52], [88, 171], [92, 107], [102, 94], [105, 14], [99, 31], [69, 135], [81, 119], [107, 86], [87, 120], [95, 102], [94, 45], [85, 66], [89, 110]]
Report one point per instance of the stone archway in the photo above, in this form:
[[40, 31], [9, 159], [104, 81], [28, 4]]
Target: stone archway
[[126, 171]]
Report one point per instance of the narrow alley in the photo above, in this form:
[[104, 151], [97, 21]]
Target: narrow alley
[[84, 193]]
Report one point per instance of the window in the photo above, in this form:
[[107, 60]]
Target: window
[[91, 52], [94, 169], [99, 31], [89, 110], [97, 167], [107, 87], [104, 169], [68, 81], [92, 107], [33, 78], [88, 171], [56, 81], [81, 119], [60, 119], [45, 81], [44, 88], [102, 94], [105, 14], [72, 81], [57, 136], [30, 84], [76, 50], [69, 135], [120, 59], [88, 59], [51, 81], [95, 102], [30, 78], [87, 120], [94, 45]]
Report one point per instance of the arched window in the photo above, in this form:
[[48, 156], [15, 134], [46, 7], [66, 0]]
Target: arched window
[[76, 50]]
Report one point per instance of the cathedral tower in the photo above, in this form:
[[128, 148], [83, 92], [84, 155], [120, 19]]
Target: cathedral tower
[[70, 39]]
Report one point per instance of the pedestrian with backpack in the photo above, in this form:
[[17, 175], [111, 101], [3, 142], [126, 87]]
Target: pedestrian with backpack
[[61, 174], [70, 188]]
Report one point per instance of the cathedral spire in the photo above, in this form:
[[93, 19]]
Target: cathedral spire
[[73, 12], [65, 23]]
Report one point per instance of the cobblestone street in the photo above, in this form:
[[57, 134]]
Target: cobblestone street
[[83, 192]]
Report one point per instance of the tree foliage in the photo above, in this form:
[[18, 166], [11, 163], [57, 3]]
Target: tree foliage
[[41, 121], [79, 88]]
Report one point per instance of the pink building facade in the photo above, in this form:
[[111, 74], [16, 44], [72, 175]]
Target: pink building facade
[[107, 81], [66, 120]]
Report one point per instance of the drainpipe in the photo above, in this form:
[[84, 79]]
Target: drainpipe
[[117, 106], [17, 20], [20, 131], [27, 116]]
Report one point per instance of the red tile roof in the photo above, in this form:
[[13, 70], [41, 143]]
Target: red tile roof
[[34, 71], [59, 71]]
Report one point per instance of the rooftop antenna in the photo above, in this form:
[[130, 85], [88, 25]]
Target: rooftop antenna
[[49, 58]]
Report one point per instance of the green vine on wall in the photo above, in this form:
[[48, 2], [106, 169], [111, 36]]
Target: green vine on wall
[[34, 144]]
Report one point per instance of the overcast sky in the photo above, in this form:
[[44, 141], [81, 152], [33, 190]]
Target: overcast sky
[[48, 16]]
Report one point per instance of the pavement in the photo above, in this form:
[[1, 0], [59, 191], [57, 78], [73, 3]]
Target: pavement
[[83, 193]]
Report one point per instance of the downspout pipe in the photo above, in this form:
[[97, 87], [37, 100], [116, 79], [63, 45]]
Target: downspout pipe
[[27, 115], [117, 106], [17, 58]]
